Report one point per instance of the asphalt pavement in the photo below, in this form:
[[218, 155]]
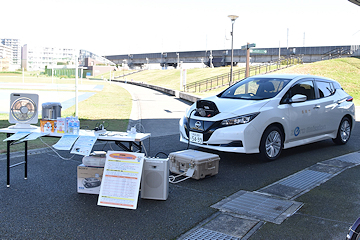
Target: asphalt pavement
[[311, 192]]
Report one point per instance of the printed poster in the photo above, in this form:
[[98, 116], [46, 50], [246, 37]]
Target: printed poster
[[121, 179]]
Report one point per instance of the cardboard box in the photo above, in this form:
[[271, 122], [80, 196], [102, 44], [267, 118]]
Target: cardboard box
[[204, 164], [89, 179], [47, 126]]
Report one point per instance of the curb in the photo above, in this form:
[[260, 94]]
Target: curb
[[171, 92]]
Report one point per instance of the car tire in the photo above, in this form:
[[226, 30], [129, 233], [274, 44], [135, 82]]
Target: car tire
[[344, 132], [356, 235], [271, 144]]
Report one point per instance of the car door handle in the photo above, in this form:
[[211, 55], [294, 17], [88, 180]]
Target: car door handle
[[316, 106]]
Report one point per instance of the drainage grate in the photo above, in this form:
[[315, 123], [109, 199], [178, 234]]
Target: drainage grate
[[259, 206], [206, 234], [306, 179], [352, 157]]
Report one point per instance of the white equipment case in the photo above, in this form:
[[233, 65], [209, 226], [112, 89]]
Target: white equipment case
[[204, 164]]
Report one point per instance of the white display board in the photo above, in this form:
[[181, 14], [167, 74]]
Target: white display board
[[121, 179]]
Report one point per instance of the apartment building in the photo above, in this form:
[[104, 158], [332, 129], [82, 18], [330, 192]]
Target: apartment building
[[15, 44], [37, 58], [6, 55]]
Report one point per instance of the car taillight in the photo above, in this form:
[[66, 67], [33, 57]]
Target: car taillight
[[349, 99]]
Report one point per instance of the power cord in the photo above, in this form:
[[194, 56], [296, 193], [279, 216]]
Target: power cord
[[66, 159], [142, 126], [172, 178], [188, 127], [156, 155], [101, 126]]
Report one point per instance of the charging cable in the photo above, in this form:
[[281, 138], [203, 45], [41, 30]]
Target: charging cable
[[188, 125], [172, 178], [67, 159]]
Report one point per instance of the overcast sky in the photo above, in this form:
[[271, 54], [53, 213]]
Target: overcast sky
[[110, 27]]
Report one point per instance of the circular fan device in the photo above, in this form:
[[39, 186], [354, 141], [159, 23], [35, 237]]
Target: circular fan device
[[23, 109]]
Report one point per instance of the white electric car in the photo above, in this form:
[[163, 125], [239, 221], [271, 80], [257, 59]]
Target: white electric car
[[267, 113]]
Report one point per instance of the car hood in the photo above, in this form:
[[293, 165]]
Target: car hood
[[233, 107]]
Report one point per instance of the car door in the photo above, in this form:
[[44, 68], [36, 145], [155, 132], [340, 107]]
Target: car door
[[303, 116], [327, 107]]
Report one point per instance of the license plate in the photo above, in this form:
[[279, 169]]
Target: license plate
[[196, 137]]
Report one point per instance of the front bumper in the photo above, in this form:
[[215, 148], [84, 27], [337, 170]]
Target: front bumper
[[242, 138]]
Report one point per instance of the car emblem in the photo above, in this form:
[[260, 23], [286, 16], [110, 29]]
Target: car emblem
[[198, 124]]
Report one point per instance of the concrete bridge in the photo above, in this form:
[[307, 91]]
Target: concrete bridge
[[219, 58]]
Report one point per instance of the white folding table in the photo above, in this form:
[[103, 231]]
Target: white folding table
[[120, 138]]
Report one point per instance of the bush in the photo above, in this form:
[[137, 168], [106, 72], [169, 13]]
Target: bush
[[63, 76]]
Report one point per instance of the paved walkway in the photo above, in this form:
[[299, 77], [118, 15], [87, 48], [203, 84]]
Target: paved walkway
[[157, 113]]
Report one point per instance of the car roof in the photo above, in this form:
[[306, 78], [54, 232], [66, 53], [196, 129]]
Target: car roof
[[292, 76]]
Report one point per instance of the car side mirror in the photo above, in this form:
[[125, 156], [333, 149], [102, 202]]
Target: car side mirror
[[298, 98]]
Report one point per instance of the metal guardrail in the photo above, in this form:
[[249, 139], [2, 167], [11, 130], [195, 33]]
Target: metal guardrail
[[336, 53], [224, 79], [124, 75]]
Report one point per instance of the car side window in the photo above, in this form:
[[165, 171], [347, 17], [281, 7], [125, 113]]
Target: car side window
[[304, 88], [325, 89]]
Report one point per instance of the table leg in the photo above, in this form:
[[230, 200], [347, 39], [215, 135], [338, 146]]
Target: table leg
[[8, 160], [26, 158]]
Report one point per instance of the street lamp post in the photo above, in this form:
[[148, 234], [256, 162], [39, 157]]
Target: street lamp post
[[76, 87], [178, 60], [232, 18]]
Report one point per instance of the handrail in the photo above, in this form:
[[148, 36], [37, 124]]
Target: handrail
[[224, 79], [336, 53], [127, 74]]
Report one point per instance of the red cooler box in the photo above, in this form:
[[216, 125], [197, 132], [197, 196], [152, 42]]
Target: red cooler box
[[204, 164]]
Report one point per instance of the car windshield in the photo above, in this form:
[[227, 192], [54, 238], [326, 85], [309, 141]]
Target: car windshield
[[255, 88]]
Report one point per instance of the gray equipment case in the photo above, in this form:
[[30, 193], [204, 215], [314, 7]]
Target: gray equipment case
[[205, 164]]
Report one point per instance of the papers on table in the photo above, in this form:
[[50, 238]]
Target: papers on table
[[121, 179], [25, 136], [33, 136], [84, 145], [17, 136], [81, 145], [65, 142]]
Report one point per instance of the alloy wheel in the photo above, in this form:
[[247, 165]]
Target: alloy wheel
[[273, 144]]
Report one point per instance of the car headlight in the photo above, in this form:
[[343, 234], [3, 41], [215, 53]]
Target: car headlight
[[238, 120]]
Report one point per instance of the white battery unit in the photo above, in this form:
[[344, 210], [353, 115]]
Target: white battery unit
[[155, 179], [96, 159], [200, 164]]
